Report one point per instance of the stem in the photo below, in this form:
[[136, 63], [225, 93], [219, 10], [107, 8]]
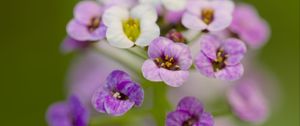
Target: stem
[[138, 52], [226, 111]]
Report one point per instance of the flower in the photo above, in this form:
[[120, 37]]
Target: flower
[[221, 58], [119, 94], [173, 5], [70, 113], [211, 15], [71, 44], [169, 62], [173, 17], [189, 112], [86, 25], [247, 100], [248, 26], [176, 36], [126, 29], [124, 3]]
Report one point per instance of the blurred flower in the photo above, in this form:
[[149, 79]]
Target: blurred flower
[[211, 15], [71, 44], [248, 26], [189, 112], [173, 5], [169, 62], [176, 36], [248, 101], [126, 29], [220, 58], [173, 17], [119, 94], [86, 25], [124, 3], [70, 113]]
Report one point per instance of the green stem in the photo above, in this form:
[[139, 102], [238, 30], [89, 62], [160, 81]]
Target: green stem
[[138, 52]]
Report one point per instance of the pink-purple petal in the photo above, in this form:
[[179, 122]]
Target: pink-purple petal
[[182, 53], [206, 119], [230, 73], [177, 118], [133, 90], [174, 78], [151, 71], [209, 46], [235, 49], [58, 115], [98, 99], [190, 105], [115, 78], [117, 107], [86, 10], [204, 65], [157, 47]]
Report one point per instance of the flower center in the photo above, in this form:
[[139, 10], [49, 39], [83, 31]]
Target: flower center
[[132, 29], [94, 24], [219, 63], [189, 122], [167, 63], [207, 15], [119, 95]]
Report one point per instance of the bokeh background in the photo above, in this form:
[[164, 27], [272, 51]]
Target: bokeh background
[[32, 69]]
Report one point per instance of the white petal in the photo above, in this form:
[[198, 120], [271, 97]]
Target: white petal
[[193, 22], [149, 32], [116, 37], [144, 11], [115, 14], [221, 21], [227, 5], [174, 5]]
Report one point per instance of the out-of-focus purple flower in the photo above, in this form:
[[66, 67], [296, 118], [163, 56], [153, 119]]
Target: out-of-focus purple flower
[[71, 44], [247, 100], [211, 15], [87, 24], [176, 36], [189, 112], [248, 26], [119, 94], [169, 62], [173, 17], [221, 58], [71, 113]]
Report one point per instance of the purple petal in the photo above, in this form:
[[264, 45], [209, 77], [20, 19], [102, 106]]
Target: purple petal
[[80, 32], [182, 53], [117, 107], [151, 71], [58, 115], [204, 65], [87, 10], [115, 78], [190, 105], [177, 118], [157, 47], [221, 20], [235, 50], [79, 113], [133, 90], [206, 119], [70, 45], [98, 99], [230, 73], [209, 46], [173, 16], [174, 78]]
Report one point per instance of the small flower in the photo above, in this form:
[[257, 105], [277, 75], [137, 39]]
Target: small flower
[[248, 26], [119, 95], [221, 58], [173, 5], [176, 36], [71, 44], [169, 62], [247, 100], [211, 15], [126, 29], [189, 112], [124, 3], [86, 25], [70, 113], [173, 17]]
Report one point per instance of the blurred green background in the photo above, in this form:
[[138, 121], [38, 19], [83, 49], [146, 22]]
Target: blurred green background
[[33, 70]]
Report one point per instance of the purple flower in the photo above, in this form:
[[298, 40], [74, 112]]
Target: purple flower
[[211, 15], [176, 36], [189, 112], [70, 113], [71, 44], [247, 100], [169, 62], [87, 24], [248, 26], [221, 58], [118, 95], [173, 17]]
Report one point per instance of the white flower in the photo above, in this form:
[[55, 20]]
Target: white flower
[[173, 5], [128, 28], [124, 3]]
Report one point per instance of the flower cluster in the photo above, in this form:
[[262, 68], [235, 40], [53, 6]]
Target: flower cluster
[[155, 41]]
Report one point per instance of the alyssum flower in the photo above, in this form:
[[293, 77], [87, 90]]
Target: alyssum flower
[[189, 112], [129, 28], [173, 5], [221, 58], [70, 113], [119, 94], [169, 62], [211, 15], [86, 25]]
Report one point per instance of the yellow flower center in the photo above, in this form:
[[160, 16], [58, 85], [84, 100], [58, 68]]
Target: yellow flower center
[[167, 63], [119, 95], [132, 29], [94, 24], [207, 15], [219, 63]]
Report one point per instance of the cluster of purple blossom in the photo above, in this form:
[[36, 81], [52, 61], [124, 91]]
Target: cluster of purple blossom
[[162, 33]]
